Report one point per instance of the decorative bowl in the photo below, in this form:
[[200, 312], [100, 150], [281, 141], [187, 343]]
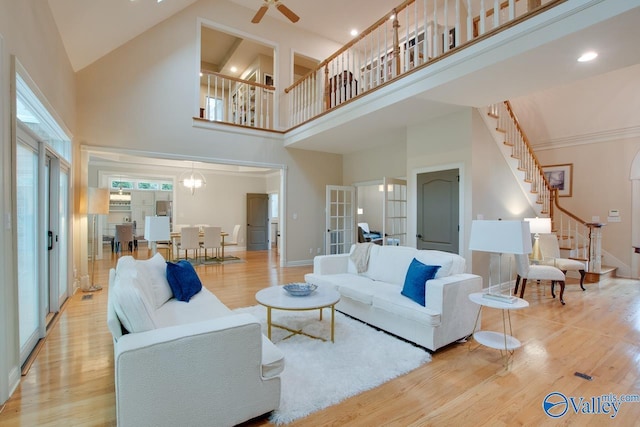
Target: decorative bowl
[[300, 289]]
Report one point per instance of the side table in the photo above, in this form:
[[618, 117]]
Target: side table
[[503, 341]]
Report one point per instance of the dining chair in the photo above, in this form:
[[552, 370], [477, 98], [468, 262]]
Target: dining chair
[[211, 240], [234, 236], [550, 251], [537, 272], [124, 236], [189, 240]]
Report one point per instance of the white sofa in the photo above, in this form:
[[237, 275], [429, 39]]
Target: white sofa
[[374, 296], [190, 363]]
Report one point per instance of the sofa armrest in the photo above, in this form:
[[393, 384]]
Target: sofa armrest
[[331, 264], [205, 372], [450, 297]]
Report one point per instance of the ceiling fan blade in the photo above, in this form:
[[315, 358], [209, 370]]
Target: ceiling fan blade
[[259, 14], [287, 12]]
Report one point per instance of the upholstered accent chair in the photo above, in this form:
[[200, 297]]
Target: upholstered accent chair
[[211, 240], [189, 240], [550, 251], [537, 272]]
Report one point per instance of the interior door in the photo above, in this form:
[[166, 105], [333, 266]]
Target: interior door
[[340, 219], [257, 222], [438, 210], [394, 211]]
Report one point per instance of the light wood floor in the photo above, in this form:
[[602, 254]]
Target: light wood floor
[[597, 332]]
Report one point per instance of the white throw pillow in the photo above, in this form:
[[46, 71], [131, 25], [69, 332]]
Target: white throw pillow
[[130, 303], [155, 268], [389, 264]]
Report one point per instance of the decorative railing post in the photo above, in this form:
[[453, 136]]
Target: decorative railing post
[[327, 88], [595, 247], [396, 43]]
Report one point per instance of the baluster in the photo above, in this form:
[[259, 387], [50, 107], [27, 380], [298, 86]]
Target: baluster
[[456, 26], [469, 21], [445, 34], [425, 37], [436, 50], [483, 15], [496, 14], [512, 10]]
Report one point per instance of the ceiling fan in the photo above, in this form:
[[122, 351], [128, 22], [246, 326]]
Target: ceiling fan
[[282, 8]]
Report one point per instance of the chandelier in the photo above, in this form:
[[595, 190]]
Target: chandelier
[[192, 180]]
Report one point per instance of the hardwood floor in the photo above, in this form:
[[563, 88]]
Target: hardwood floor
[[597, 333]]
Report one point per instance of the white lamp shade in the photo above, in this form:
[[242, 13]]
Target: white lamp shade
[[539, 225], [156, 228], [503, 237], [98, 201]]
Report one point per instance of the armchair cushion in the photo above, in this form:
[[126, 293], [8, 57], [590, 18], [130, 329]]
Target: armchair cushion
[[155, 269], [183, 280], [416, 280]]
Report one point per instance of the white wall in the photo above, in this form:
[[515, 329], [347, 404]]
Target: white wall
[[30, 34]]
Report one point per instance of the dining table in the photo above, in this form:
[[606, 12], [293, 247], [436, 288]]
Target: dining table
[[175, 238]]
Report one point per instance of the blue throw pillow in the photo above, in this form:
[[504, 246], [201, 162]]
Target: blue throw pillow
[[416, 280], [183, 280]]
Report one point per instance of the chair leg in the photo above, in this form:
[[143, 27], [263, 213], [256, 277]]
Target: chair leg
[[582, 274], [524, 284], [515, 291], [562, 292], [553, 285]]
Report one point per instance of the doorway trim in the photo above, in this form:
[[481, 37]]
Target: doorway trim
[[412, 203], [634, 176], [88, 150]]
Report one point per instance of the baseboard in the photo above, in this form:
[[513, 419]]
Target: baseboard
[[301, 263]]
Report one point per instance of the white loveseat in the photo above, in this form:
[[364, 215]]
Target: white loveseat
[[374, 296], [190, 363]]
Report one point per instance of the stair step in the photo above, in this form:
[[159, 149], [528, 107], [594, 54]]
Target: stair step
[[495, 116], [501, 130], [595, 277]]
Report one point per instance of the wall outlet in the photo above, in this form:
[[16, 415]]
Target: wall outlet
[[318, 251]]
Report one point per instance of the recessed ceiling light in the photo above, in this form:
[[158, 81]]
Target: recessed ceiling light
[[354, 32], [588, 56], [234, 69]]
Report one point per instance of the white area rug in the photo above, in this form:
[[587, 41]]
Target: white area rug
[[319, 374]]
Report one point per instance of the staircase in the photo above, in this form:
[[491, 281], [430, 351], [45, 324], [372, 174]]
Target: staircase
[[578, 239]]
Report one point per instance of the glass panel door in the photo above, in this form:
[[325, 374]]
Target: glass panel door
[[27, 243], [340, 219], [395, 212], [63, 238]]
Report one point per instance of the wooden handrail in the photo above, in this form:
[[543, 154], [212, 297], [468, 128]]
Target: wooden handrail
[[566, 212], [235, 79], [527, 142]]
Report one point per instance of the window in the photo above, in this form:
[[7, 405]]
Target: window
[[214, 108], [273, 208]]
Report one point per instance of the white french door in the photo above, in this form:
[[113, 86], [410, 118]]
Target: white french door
[[340, 219], [394, 212]]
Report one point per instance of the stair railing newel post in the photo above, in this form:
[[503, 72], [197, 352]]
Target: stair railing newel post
[[327, 88]]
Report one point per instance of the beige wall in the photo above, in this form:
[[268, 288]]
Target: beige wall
[[142, 97], [28, 31], [601, 181]]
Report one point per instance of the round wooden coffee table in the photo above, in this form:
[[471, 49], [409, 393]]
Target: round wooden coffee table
[[275, 297]]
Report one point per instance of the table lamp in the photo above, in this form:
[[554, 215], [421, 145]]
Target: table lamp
[[500, 237], [537, 226], [156, 229], [97, 204]]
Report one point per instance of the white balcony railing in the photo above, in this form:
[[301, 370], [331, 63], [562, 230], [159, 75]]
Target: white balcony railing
[[240, 102], [412, 35]]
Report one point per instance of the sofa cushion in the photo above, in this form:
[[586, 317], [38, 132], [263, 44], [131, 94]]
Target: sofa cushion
[[183, 280], [155, 268], [449, 263], [202, 306], [272, 359], [416, 279], [390, 263], [391, 301], [132, 305]]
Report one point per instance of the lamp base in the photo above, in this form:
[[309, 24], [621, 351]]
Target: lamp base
[[93, 288], [509, 299]]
